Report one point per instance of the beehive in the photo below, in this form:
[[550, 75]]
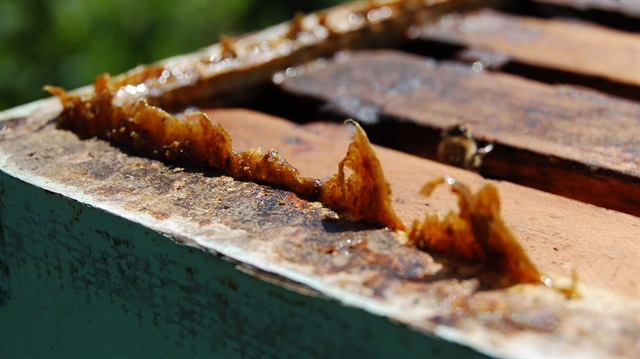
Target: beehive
[[106, 251]]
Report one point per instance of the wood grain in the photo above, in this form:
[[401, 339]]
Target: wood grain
[[563, 140], [560, 234], [573, 47]]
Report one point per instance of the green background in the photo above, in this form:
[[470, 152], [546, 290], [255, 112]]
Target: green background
[[68, 42]]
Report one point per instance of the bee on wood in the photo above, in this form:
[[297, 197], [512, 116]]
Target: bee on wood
[[458, 147]]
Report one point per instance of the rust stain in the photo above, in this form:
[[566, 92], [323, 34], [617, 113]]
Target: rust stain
[[160, 215]]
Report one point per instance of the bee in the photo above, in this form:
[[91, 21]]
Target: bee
[[458, 148]]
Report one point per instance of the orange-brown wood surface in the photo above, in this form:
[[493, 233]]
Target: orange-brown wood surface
[[560, 234], [564, 140], [564, 45]]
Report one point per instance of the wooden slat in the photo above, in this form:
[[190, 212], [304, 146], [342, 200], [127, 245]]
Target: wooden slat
[[235, 70], [629, 8], [560, 139], [573, 47], [559, 235]]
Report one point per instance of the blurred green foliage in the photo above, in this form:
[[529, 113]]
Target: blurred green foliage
[[68, 42]]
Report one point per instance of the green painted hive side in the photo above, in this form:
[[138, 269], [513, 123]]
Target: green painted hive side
[[77, 282]]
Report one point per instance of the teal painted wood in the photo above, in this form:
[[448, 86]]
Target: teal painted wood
[[77, 282]]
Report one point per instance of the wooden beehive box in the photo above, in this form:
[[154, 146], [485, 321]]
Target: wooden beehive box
[[105, 252]]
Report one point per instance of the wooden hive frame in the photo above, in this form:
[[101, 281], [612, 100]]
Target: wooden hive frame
[[104, 251]]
